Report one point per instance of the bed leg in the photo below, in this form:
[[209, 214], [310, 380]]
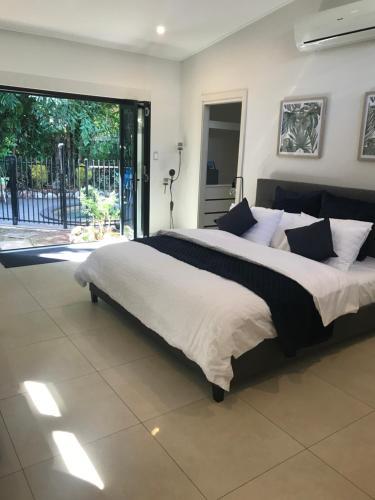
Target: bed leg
[[217, 393], [94, 297]]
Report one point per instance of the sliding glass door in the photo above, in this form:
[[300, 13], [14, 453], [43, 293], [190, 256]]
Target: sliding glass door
[[73, 168], [135, 168]]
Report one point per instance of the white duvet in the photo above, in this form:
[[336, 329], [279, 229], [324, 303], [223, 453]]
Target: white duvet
[[208, 317]]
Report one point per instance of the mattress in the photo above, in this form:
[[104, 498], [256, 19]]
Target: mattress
[[209, 318]]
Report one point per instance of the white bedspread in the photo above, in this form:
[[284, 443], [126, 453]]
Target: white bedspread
[[208, 317]]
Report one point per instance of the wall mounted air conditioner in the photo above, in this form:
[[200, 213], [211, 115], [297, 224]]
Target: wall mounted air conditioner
[[351, 23]]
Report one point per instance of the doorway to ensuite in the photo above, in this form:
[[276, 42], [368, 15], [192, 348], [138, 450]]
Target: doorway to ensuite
[[221, 181]]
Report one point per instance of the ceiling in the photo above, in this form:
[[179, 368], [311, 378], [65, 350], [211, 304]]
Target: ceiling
[[191, 25]]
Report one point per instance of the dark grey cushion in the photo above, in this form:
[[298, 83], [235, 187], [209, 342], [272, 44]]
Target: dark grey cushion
[[238, 220], [313, 242]]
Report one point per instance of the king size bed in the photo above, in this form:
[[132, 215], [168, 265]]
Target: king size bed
[[230, 305]]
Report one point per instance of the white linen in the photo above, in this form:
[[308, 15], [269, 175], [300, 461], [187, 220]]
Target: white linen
[[209, 318], [288, 221], [348, 237], [364, 274], [267, 223]]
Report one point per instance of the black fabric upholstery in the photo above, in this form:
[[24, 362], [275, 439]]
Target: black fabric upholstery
[[238, 220], [313, 242], [266, 188], [295, 202], [293, 311], [339, 207]]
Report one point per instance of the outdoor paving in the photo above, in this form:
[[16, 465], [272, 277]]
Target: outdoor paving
[[23, 237]]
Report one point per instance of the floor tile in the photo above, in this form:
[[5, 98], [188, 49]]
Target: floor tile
[[83, 316], [303, 405], [87, 406], [155, 385], [14, 487], [130, 465], [24, 329], [301, 477], [40, 277], [14, 298], [349, 368], [61, 296], [115, 345], [8, 459], [352, 452], [221, 446], [48, 361]]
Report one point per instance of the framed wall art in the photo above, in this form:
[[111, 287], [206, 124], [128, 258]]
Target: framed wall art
[[301, 127]]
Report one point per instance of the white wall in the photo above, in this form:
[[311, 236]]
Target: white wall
[[50, 64], [263, 59]]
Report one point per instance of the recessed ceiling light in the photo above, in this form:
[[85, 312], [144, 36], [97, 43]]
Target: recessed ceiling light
[[160, 30]]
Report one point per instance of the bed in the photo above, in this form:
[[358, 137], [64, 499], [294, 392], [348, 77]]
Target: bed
[[226, 329]]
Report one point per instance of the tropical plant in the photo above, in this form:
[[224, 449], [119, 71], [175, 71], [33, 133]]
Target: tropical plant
[[299, 128], [100, 209]]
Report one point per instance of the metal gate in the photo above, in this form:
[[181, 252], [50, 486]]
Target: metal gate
[[51, 190]]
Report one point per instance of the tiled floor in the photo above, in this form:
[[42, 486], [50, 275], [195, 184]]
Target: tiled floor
[[91, 408]]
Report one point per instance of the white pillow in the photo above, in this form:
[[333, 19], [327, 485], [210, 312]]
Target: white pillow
[[348, 237], [267, 223], [289, 221]]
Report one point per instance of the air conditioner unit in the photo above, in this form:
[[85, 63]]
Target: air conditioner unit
[[351, 23]]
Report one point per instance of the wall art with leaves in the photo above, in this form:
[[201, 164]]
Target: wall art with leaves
[[301, 127], [367, 142]]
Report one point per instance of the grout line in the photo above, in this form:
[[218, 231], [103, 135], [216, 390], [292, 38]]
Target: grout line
[[340, 473], [16, 453], [342, 428], [174, 461], [28, 483], [271, 421], [308, 446], [370, 405], [263, 473]]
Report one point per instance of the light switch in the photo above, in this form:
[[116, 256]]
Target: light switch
[[155, 155]]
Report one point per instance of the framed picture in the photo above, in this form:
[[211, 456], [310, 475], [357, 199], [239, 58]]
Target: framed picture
[[367, 141], [301, 127]]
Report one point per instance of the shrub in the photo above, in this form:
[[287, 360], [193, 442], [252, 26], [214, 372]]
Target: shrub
[[99, 208], [39, 175]]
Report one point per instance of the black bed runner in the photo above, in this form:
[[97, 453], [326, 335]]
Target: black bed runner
[[296, 319]]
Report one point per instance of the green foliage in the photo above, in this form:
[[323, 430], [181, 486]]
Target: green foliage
[[99, 208], [39, 175], [32, 126], [80, 175]]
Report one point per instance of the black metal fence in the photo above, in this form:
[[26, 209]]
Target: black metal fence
[[50, 190]]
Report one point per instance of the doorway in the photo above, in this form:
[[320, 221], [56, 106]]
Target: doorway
[[73, 168], [221, 181]]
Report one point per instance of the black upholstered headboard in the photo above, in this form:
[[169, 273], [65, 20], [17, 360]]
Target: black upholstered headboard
[[266, 193]]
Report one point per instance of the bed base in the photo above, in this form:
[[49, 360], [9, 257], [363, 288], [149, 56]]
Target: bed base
[[267, 356]]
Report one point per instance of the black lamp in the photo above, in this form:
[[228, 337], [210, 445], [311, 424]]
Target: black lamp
[[234, 185]]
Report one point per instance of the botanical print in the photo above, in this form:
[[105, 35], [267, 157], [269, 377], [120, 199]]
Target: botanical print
[[301, 127], [367, 144]]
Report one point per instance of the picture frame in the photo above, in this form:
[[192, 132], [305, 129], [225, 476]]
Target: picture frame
[[301, 127], [366, 150]]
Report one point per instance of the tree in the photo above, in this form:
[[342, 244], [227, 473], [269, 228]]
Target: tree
[[33, 126]]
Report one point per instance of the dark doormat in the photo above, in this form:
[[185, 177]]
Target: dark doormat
[[46, 255]]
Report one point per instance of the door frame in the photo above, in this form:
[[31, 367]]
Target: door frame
[[207, 99], [145, 186]]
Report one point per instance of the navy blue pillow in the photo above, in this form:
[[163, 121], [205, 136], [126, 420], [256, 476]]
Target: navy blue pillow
[[313, 242], [309, 202], [238, 220], [339, 207]]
